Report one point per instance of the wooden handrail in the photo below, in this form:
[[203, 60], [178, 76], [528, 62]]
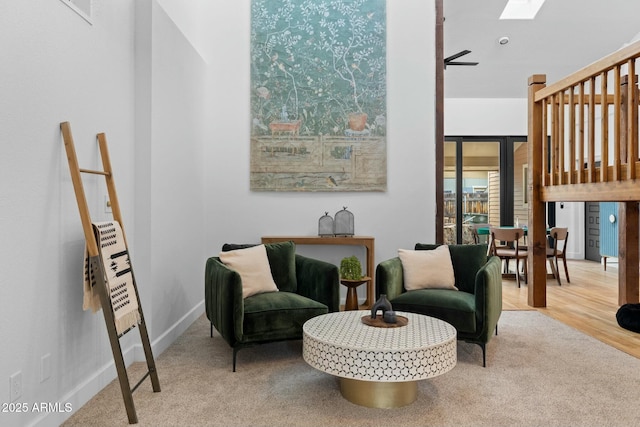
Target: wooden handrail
[[605, 64]]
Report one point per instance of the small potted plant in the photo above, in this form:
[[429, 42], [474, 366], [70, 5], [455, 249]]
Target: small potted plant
[[351, 276], [350, 268]]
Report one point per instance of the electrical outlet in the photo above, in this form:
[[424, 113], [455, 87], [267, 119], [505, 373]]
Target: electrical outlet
[[15, 386], [45, 367]]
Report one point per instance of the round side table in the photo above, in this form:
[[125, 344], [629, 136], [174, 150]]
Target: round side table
[[352, 296]]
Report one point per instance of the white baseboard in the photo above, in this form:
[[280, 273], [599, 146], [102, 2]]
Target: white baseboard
[[107, 373], [160, 344]]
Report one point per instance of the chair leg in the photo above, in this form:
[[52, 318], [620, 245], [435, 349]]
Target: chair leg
[[552, 266], [554, 270], [235, 353], [518, 272], [484, 354], [496, 329], [566, 270], [211, 331]]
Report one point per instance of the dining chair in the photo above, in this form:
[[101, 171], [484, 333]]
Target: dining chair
[[525, 227], [511, 249], [558, 236], [475, 234]]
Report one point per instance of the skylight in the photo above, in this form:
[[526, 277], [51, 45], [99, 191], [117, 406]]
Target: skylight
[[521, 9]]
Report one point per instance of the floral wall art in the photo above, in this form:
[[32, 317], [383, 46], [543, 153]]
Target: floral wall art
[[318, 95]]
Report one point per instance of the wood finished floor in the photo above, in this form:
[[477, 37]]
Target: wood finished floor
[[589, 303]]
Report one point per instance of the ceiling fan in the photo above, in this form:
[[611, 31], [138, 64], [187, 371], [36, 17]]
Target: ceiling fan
[[450, 60]]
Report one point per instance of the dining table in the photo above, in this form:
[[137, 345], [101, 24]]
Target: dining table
[[486, 231]]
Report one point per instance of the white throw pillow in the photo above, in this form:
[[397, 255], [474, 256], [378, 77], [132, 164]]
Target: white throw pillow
[[253, 266], [427, 269]]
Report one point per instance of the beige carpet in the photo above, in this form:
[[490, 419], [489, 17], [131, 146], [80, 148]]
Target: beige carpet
[[539, 372]]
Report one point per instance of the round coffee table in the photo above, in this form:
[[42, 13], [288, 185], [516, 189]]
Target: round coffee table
[[379, 367]]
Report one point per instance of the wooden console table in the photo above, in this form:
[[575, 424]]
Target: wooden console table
[[366, 241]]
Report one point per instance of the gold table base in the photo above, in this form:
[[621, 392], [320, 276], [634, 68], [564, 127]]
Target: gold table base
[[375, 394]]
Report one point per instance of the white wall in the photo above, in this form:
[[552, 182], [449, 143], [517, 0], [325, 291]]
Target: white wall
[[173, 175], [176, 113], [571, 215], [400, 217], [56, 67], [491, 116]]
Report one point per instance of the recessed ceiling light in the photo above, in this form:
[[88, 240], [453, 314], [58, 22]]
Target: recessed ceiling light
[[503, 40], [521, 9]]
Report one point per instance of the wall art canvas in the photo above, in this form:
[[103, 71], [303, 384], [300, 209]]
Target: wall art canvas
[[318, 95]]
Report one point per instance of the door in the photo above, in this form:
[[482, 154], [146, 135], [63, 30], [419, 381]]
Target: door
[[470, 186], [485, 182], [608, 236], [592, 231]]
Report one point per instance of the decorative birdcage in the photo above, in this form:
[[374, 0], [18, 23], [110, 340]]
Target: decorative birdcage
[[343, 223], [325, 225]]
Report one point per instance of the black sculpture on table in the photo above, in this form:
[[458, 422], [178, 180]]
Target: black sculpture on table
[[388, 315]]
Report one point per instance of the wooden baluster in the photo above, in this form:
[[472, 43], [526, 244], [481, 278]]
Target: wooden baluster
[[572, 136], [560, 148], [545, 144], [616, 123], [591, 162], [604, 128], [632, 120], [554, 140], [581, 108]]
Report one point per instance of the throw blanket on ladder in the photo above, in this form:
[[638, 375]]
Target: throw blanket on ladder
[[118, 277]]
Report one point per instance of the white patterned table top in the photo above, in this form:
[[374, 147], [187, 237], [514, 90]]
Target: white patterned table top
[[340, 344]]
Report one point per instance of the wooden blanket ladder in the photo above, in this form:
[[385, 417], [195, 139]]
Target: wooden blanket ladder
[[97, 267]]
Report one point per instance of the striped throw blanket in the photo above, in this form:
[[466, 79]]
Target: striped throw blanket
[[118, 277]]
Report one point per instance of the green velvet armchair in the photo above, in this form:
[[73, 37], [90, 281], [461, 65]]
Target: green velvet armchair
[[473, 309], [306, 288]]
